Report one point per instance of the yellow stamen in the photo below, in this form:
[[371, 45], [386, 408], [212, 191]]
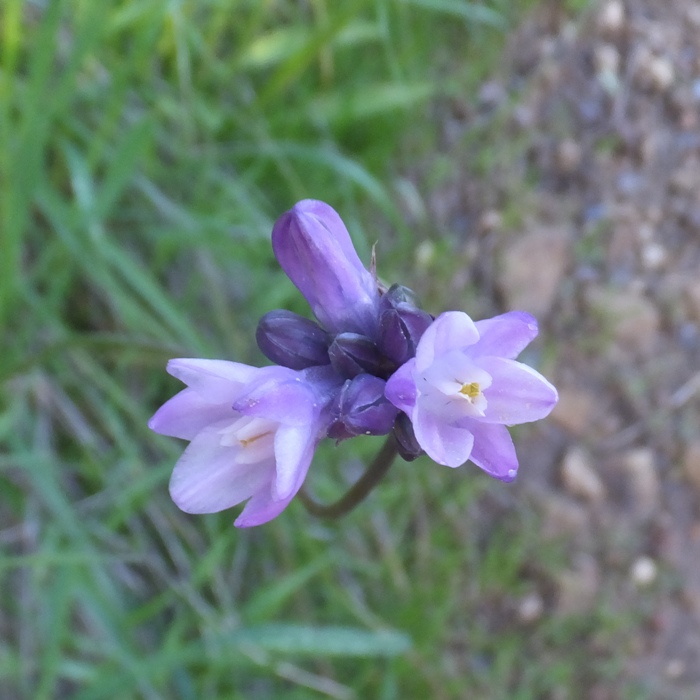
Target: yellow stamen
[[245, 443], [471, 391]]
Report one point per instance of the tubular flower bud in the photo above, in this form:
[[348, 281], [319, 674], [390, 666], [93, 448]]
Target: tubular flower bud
[[314, 248], [352, 354], [362, 409], [401, 324], [291, 340]]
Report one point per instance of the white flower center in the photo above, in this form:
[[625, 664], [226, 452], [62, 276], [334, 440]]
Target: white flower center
[[454, 384], [254, 438]]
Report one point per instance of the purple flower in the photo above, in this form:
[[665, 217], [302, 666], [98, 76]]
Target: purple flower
[[464, 386], [252, 433], [314, 248]]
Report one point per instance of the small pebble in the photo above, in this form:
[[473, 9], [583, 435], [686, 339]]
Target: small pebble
[[644, 571], [656, 72], [530, 608], [675, 668], [580, 478], [653, 256], [611, 18], [568, 156], [607, 59], [490, 220]]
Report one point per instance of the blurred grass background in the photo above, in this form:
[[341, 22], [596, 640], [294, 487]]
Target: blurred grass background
[[146, 147]]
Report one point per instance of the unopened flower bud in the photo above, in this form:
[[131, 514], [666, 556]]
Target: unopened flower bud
[[291, 340], [398, 295], [401, 324], [314, 248], [362, 409], [408, 446], [352, 354]]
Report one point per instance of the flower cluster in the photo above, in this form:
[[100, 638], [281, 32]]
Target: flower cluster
[[374, 364]]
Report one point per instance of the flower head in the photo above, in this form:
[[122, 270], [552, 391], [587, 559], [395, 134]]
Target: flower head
[[464, 386], [374, 364], [314, 248], [252, 433]]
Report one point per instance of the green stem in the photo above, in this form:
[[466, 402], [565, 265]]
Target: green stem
[[359, 490]]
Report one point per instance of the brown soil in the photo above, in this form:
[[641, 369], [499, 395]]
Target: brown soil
[[603, 117]]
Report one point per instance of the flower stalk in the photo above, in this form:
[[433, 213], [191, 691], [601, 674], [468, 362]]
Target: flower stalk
[[357, 493]]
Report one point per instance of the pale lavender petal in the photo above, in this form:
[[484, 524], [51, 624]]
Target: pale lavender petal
[[314, 248], [494, 451], [401, 387], [506, 335], [261, 508], [291, 401], [217, 381], [207, 478], [186, 413], [518, 394], [452, 330], [444, 443], [294, 449]]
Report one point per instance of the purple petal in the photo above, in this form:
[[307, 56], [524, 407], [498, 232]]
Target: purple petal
[[217, 381], [518, 394], [401, 387], [506, 335], [207, 478], [263, 507], [452, 330], [294, 449], [494, 451], [186, 413], [444, 443], [291, 401], [314, 248]]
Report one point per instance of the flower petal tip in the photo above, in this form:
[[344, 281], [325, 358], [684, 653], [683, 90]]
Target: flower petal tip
[[509, 477]]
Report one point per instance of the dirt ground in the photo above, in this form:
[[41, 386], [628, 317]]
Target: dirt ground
[[588, 215]]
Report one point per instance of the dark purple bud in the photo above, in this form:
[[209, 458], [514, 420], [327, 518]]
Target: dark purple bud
[[398, 295], [352, 354], [408, 446], [401, 324], [362, 409], [291, 340]]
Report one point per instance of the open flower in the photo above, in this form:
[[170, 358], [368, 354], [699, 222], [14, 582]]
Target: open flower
[[314, 248], [464, 386], [252, 433]]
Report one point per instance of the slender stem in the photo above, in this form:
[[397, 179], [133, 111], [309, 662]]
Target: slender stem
[[359, 490]]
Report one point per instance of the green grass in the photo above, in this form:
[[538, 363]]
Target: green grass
[[146, 148]]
